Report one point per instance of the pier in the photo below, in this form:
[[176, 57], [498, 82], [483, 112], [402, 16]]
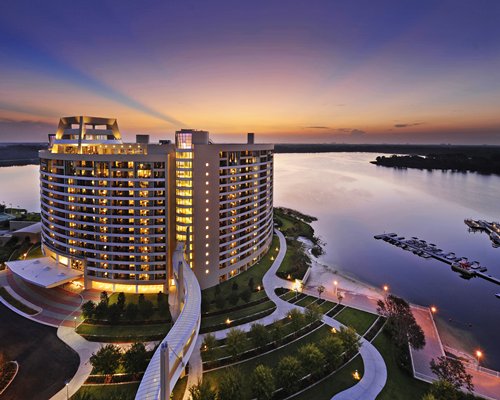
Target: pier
[[429, 250], [491, 228]]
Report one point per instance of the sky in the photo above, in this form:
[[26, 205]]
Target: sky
[[291, 71]]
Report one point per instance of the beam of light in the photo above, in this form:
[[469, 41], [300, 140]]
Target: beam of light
[[31, 56]]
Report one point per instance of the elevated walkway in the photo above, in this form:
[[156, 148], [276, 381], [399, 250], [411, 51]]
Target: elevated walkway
[[176, 348]]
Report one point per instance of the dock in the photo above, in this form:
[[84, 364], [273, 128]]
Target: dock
[[491, 228], [423, 249]]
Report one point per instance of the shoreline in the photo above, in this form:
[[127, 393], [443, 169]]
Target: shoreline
[[454, 339]]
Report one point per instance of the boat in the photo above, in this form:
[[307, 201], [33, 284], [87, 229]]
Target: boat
[[462, 268], [426, 255], [483, 269], [475, 265], [497, 295]]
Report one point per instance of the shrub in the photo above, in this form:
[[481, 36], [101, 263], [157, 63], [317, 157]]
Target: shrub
[[259, 334], [332, 348], [106, 360], [104, 297], [246, 295], [202, 391], [135, 359], [230, 384], [313, 313], [146, 309], [233, 298], [296, 317], [101, 310], [131, 311], [209, 342], [312, 359], [235, 339], [114, 313], [350, 339], [288, 374], [262, 381]]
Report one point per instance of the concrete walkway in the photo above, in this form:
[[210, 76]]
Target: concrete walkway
[[375, 374]]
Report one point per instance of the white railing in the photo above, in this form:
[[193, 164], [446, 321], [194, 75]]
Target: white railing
[[180, 342]]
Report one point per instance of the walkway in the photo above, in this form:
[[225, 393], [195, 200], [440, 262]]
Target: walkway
[[375, 374]]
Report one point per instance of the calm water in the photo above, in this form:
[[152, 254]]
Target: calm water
[[355, 200]]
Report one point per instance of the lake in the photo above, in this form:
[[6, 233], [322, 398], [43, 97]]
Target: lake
[[355, 200]]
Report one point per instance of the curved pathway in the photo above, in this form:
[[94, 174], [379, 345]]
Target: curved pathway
[[375, 375]]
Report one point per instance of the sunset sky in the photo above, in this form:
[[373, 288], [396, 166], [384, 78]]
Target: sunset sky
[[290, 71]]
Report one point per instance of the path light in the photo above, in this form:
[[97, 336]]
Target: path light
[[356, 376], [228, 321], [479, 354], [277, 249], [272, 258], [258, 288], [334, 330]]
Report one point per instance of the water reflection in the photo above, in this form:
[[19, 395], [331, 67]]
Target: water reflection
[[355, 200]]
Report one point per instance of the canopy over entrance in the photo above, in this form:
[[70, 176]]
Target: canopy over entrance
[[44, 272]]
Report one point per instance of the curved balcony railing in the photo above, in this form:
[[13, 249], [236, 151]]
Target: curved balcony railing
[[179, 342]]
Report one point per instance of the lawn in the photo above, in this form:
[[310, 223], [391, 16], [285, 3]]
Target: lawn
[[292, 226], [234, 315], [359, 320], [400, 385], [295, 262], [256, 272], [127, 333], [306, 301], [35, 252], [270, 359], [16, 303], [336, 383], [123, 391]]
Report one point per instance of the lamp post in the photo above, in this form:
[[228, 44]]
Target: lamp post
[[479, 354], [335, 284], [386, 290], [67, 389], [74, 320], [433, 309]]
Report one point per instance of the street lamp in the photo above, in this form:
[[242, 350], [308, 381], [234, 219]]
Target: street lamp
[[433, 309], [335, 283], [386, 290], [67, 389], [479, 354], [74, 320]]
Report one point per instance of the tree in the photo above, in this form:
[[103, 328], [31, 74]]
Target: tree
[[259, 334], [234, 341], [230, 384], [101, 310], [209, 343], [452, 371], [246, 295], [296, 318], [202, 391], [262, 381], [350, 339], [401, 323], [312, 313], [332, 347], [131, 311], [312, 359], [107, 359], [160, 298], [233, 298], [220, 302], [114, 313], [288, 374], [277, 332], [340, 297], [444, 390], [141, 298], [320, 290], [146, 309], [251, 284], [88, 309], [104, 297], [121, 301], [135, 359]]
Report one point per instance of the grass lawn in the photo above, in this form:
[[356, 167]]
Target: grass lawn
[[271, 359], [179, 389], [220, 319], [16, 303], [256, 272], [293, 227], [326, 306], [124, 332], [124, 391], [336, 383], [35, 252], [400, 385], [359, 320], [161, 313], [306, 301]]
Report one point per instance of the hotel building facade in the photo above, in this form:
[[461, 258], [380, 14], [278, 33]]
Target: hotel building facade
[[116, 211]]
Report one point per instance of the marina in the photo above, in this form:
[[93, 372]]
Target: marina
[[467, 269], [491, 228]]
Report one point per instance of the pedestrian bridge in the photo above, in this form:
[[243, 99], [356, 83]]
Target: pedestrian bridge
[[177, 346]]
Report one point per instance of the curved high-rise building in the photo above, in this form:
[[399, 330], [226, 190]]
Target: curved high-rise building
[[116, 211]]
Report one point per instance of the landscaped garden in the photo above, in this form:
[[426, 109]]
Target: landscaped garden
[[357, 319], [126, 318], [287, 369], [121, 391]]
